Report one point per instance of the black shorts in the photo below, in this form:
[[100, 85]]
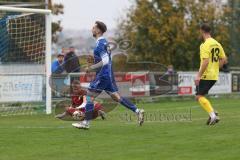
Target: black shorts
[[204, 86]]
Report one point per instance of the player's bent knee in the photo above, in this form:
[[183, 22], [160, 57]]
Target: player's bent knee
[[70, 110], [197, 97], [116, 97]]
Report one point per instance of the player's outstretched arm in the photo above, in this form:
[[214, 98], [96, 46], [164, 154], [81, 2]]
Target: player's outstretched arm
[[203, 66], [202, 69], [83, 103], [103, 62]]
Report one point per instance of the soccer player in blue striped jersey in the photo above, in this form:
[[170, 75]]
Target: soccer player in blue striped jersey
[[104, 80]]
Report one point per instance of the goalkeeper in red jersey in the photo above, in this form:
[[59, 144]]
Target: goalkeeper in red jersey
[[79, 100]]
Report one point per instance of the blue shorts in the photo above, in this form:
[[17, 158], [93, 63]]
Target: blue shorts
[[104, 83]]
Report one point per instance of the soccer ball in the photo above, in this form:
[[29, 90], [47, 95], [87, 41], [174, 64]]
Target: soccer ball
[[78, 115]]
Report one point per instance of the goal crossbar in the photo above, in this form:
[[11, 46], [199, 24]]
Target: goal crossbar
[[25, 10]]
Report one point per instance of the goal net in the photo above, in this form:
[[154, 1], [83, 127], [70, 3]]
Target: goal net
[[25, 61]]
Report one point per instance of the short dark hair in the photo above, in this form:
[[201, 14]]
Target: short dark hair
[[60, 55], [101, 26], [206, 28], [76, 82]]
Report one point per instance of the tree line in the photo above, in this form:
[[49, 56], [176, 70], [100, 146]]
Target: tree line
[[167, 32]]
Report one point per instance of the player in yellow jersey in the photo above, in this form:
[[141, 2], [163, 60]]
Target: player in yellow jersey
[[212, 59]]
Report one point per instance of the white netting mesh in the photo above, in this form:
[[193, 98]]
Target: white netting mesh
[[22, 38], [22, 63]]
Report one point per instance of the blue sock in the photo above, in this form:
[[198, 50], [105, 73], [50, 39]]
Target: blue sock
[[89, 109], [125, 102]]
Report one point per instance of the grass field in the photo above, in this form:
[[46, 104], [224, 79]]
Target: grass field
[[46, 138]]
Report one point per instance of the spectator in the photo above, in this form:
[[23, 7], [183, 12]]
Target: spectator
[[71, 61], [57, 77], [170, 70], [57, 65]]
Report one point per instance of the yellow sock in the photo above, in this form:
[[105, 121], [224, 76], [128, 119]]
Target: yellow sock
[[205, 104]]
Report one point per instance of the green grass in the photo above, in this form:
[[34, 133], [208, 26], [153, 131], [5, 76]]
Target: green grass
[[45, 138]]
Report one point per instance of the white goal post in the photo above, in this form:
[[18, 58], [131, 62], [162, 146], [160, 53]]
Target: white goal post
[[48, 41]]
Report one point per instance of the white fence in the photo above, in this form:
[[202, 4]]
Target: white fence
[[30, 88], [21, 88], [186, 84]]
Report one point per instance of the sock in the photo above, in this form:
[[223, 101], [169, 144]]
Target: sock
[[137, 110], [125, 102], [89, 109], [206, 106], [212, 115], [86, 122]]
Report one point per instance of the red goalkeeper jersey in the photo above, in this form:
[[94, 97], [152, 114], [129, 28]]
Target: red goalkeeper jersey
[[77, 99]]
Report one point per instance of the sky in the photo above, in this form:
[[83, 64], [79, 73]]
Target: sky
[[81, 14]]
